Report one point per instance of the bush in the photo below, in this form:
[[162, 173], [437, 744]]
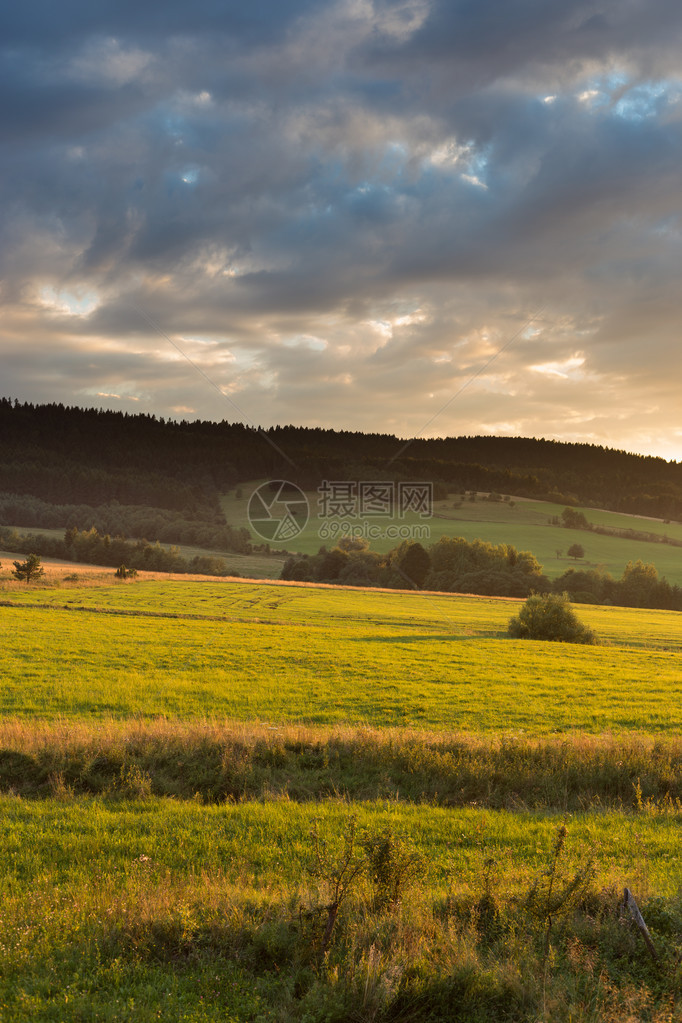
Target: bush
[[550, 616], [205, 564], [125, 573], [391, 867]]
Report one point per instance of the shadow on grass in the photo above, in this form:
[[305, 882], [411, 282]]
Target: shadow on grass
[[450, 638]]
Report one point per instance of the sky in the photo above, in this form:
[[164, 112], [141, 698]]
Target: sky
[[420, 217]]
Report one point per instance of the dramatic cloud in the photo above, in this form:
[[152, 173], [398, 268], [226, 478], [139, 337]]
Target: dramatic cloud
[[405, 215]]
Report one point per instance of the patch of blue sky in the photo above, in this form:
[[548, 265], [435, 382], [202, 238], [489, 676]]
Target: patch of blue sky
[[180, 180], [644, 100], [173, 125], [396, 156], [476, 167], [633, 101], [80, 303]]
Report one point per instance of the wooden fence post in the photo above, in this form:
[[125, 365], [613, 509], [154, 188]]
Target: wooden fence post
[[629, 903]]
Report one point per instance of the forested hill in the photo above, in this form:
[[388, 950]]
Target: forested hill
[[74, 456]]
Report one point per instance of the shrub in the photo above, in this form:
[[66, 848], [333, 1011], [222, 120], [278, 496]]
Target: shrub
[[391, 867], [549, 616], [340, 876], [125, 573], [205, 564]]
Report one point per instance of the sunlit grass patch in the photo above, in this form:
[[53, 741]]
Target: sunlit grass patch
[[285, 654], [155, 856], [119, 910]]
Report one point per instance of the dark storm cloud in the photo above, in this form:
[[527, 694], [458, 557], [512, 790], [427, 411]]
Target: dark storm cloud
[[342, 210], [43, 23], [481, 42]]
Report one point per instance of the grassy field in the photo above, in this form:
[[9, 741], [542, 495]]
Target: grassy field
[[174, 755], [292, 653], [522, 523], [145, 910]]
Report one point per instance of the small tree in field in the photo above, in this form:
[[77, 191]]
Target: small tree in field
[[550, 616], [576, 550], [29, 569]]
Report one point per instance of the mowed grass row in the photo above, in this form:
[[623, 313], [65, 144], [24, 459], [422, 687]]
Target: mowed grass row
[[151, 910], [331, 606], [284, 654]]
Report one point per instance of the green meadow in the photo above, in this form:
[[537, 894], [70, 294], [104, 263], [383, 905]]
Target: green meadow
[[147, 910], [245, 801], [522, 523], [321, 656]]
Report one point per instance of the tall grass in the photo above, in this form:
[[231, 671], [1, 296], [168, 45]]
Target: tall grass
[[236, 762], [158, 909]]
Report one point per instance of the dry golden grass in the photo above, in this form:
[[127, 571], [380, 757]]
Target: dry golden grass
[[58, 570], [217, 760], [35, 734]]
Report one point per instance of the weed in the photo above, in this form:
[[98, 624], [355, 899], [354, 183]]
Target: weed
[[488, 906], [134, 783], [378, 980], [59, 787], [551, 894], [339, 874], [665, 805], [391, 867]]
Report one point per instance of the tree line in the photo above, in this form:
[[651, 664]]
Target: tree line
[[138, 521], [451, 565], [95, 457], [456, 565], [92, 548], [571, 518]]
